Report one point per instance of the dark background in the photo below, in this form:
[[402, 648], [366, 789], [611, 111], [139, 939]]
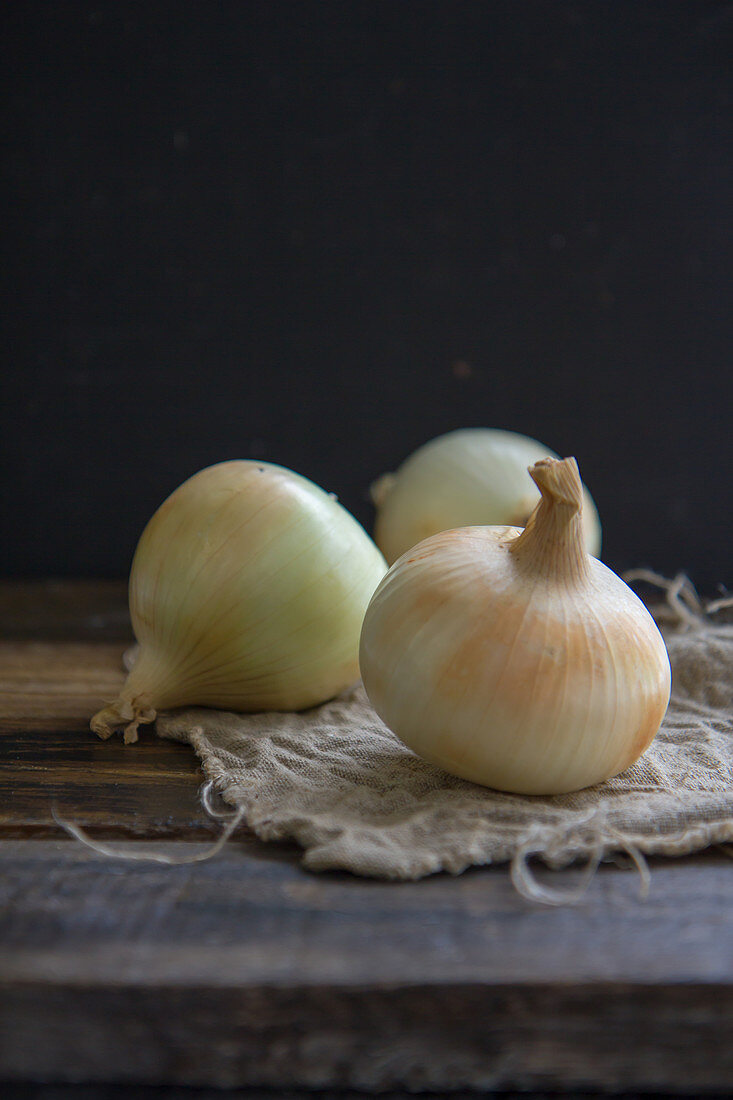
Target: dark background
[[322, 233]]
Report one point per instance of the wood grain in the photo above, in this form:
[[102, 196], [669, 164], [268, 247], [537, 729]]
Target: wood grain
[[48, 755], [56, 685], [150, 789], [248, 970], [29, 1091]]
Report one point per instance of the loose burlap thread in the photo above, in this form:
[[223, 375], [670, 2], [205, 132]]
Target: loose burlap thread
[[339, 783]]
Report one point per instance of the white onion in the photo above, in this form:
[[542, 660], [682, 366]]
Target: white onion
[[247, 592], [473, 476]]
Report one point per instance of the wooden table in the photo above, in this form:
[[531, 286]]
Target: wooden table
[[249, 971]]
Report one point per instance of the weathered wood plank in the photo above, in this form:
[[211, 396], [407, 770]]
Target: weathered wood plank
[[56, 685], [48, 692], [427, 1037], [248, 971], [253, 915], [32, 1091], [150, 791]]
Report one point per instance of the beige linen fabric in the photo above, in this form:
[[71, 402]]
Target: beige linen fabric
[[338, 782]]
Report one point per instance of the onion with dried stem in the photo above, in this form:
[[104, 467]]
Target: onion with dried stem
[[512, 657]]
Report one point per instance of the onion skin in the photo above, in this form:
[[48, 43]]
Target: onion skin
[[468, 477], [512, 658], [247, 592]]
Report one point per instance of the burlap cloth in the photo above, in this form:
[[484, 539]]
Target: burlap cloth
[[338, 782]]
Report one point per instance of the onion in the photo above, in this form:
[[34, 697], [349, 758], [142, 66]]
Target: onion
[[247, 592], [513, 658], [471, 476]]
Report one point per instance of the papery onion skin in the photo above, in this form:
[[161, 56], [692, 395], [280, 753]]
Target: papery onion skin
[[247, 592], [468, 477], [532, 680]]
